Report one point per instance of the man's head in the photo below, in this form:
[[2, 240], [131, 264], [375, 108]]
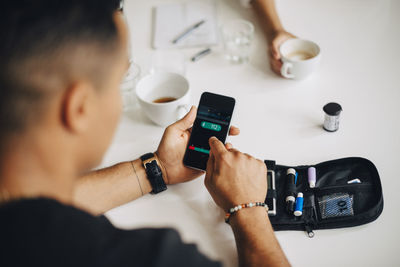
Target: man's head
[[61, 63]]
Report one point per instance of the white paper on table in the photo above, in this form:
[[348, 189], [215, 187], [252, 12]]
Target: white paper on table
[[171, 20]]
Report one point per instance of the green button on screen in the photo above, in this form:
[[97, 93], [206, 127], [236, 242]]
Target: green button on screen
[[211, 126]]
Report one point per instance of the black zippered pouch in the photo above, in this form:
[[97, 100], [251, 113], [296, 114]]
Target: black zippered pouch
[[333, 202]]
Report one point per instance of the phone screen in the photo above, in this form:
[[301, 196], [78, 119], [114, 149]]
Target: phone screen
[[213, 118]]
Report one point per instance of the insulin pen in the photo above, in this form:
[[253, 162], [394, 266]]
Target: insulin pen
[[299, 205], [290, 190]]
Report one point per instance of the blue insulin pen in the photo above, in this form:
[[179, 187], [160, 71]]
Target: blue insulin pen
[[298, 211]]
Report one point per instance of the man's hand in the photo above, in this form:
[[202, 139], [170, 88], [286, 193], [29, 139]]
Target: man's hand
[[234, 178], [276, 40], [172, 148]]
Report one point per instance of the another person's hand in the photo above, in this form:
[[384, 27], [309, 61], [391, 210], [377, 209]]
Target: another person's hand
[[172, 148], [274, 55], [234, 178]]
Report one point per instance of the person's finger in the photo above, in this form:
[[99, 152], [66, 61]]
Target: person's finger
[[277, 66], [209, 168], [248, 155], [210, 163], [274, 68], [234, 130], [277, 71], [276, 55], [187, 121], [216, 147], [232, 149], [228, 146], [275, 50], [212, 157]]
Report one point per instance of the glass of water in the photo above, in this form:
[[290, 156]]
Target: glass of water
[[237, 36], [128, 85]]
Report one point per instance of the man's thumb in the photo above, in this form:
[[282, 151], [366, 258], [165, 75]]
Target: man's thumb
[[187, 121], [217, 147]]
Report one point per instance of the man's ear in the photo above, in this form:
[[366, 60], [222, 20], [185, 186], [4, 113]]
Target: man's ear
[[77, 107]]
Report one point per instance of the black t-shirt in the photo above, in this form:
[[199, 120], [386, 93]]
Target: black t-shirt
[[44, 232]]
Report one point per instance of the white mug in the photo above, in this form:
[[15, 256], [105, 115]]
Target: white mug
[[163, 85], [300, 58]]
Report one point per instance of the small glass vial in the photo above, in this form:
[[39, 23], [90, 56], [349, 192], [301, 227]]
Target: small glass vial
[[332, 116]]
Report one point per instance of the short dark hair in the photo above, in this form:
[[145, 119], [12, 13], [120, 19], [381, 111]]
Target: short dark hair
[[37, 40]]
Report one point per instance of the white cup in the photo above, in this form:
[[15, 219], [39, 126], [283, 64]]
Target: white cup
[[163, 85], [300, 58]]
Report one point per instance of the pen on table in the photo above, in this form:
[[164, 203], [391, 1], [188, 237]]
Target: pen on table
[[185, 33], [201, 54]]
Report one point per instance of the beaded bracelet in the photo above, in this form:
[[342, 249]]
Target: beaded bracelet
[[239, 207]]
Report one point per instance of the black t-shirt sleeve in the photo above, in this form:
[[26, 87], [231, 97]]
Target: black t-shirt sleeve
[[151, 247], [43, 232]]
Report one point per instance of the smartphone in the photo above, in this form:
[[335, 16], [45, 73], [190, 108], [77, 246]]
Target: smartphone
[[213, 118]]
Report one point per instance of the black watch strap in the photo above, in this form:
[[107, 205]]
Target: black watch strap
[[154, 173]]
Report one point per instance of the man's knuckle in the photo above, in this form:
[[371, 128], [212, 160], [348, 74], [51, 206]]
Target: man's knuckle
[[236, 153], [224, 155]]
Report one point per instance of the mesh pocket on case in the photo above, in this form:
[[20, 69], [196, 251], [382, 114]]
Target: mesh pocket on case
[[336, 205]]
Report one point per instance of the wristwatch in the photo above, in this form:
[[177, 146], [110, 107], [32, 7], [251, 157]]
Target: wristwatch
[[154, 173]]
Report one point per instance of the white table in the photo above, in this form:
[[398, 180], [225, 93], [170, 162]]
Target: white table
[[281, 119]]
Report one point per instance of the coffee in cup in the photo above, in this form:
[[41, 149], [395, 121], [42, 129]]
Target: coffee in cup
[[164, 97], [300, 55], [300, 58]]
